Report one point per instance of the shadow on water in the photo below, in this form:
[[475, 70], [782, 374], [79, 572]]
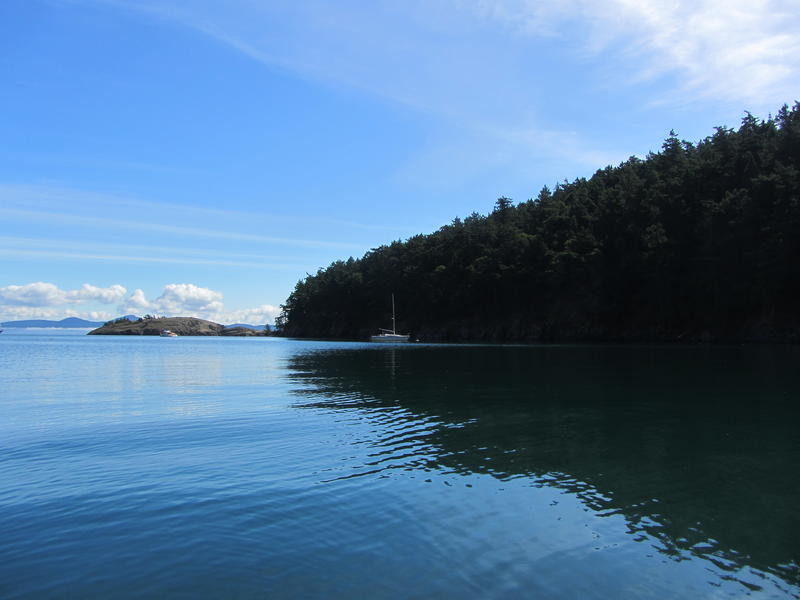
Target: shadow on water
[[697, 447]]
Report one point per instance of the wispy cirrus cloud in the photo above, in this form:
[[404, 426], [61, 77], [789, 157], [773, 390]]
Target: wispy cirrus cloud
[[743, 51], [145, 252], [439, 56], [52, 198], [164, 228], [494, 70], [448, 60], [134, 258]]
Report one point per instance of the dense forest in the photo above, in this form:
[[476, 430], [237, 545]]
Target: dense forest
[[695, 242]]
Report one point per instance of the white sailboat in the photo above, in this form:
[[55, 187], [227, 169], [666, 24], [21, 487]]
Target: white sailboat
[[390, 335]]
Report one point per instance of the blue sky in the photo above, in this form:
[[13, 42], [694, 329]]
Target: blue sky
[[199, 157]]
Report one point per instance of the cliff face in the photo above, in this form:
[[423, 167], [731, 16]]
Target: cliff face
[[179, 325]]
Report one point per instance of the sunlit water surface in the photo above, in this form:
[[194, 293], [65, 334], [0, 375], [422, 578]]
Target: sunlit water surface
[[245, 468]]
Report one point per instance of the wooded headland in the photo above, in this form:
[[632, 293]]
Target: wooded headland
[[695, 242]]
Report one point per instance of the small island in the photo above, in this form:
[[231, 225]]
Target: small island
[[183, 326]]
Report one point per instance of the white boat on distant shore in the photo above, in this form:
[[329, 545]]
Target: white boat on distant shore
[[167, 333], [390, 335]]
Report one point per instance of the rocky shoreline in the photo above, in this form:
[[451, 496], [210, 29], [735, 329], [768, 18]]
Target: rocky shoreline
[[183, 326]]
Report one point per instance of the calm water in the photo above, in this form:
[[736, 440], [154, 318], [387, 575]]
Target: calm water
[[245, 468]]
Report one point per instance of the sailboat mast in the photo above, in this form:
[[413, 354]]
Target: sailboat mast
[[394, 329]]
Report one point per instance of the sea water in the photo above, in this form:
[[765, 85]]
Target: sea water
[[262, 467]]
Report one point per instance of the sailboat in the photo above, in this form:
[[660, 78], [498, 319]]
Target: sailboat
[[390, 335]]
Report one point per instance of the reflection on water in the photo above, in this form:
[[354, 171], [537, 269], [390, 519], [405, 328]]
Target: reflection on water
[[261, 467], [695, 448]]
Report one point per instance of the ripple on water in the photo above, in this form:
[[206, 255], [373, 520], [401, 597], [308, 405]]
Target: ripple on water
[[297, 470]]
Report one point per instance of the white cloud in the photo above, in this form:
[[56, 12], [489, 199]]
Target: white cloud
[[187, 299], [135, 302], [32, 294], [92, 315], [43, 294], [88, 293], [259, 315], [41, 300]]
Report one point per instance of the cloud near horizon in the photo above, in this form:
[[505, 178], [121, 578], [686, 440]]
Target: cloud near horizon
[[41, 300], [41, 294], [187, 299], [176, 298]]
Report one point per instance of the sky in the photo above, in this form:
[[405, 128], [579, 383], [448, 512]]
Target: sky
[[198, 158]]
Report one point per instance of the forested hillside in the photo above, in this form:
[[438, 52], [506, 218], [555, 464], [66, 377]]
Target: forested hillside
[[697, 241]]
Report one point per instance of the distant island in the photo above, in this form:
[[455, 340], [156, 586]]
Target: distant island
[[68, 323], [149, 325], [183, 326], [248, 326], [697, 242]]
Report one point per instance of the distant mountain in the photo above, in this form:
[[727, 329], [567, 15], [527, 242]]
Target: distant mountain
[[254, 327], [68, 323]]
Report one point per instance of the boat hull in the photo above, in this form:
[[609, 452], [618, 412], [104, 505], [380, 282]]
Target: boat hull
[[390, 338]]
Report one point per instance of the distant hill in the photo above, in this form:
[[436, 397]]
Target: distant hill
[[68, 323], [246, 326]]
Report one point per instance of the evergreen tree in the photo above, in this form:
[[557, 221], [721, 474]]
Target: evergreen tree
[[695, 241]]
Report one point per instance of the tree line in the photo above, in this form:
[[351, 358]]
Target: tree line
[[697, 241]]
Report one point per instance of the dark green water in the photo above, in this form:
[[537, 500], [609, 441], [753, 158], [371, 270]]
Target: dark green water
[[276, 468], [696, 448]]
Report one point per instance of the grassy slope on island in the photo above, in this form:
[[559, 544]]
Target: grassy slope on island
[[154, 326], [698, 241], [183, 326]]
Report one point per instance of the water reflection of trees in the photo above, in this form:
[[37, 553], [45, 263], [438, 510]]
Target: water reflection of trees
[[697, 447]]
